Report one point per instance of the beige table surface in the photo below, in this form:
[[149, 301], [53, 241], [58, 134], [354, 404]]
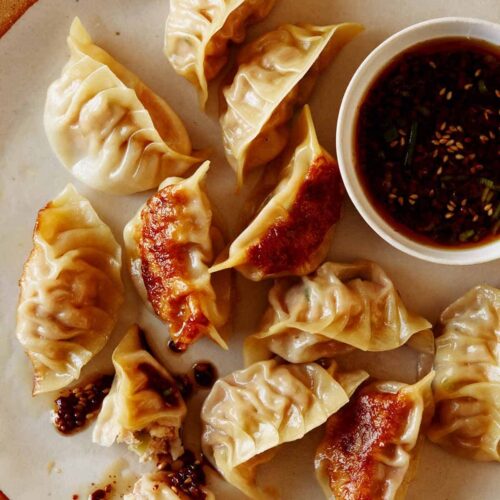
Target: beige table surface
[[37, 463]]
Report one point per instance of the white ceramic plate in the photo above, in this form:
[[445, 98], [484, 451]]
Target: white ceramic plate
[[36, 462]]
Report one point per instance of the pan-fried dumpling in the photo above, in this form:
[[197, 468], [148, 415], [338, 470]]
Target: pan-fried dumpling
[[467, 383], [71, 291], [276, 73], [144, 407], [108, 128], [169, 247], [370, 445], [199, 32], [292, 233], [252, 411], [313, 316]]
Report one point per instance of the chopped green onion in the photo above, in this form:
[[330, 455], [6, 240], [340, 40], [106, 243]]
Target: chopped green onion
[[482, 87], [485, 193], [412, 142], [465, 235], [390, 134], [168, 392], [424, 111], [487, 182], [496, 214]]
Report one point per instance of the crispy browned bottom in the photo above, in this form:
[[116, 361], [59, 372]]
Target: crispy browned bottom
[[11, 11]]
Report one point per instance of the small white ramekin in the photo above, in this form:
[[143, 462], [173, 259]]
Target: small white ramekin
[[360, 83]]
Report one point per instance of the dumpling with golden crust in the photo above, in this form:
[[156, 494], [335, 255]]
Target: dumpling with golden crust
[[250, 412], [170, 244], [292, 232], [71, 291], [323, 314], [276, 73], [144, 407], [370, 445], [198, 34], [107, 127], [467, 383]]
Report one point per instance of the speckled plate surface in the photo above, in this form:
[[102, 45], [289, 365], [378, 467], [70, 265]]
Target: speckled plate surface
[[36, 462]]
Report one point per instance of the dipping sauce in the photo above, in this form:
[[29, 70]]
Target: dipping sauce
[[427, 142]]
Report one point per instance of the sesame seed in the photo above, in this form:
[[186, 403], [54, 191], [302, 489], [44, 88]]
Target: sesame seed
[[477, 73], [414, 196], [460, 145], [435, 153], [468, 86], [445, 158], [491, 134], [411, 202], [432, 64], [402, 141], [450, 207], [459, 128], [497, 93], [442, 91], [449, 215], [459, 157], [487, 207], [443, 126], [490, 212], [464, 202], [439, 171], [483, 138], [394, 143], [436, 143], [449, 95], [475, 218], [401, 200], [438, 135], [401, 132]]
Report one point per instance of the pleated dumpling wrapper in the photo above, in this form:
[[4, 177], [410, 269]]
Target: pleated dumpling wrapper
[[467, 383], [107, 127], [144, 407], [276, 73], [170, 244], [199, 32], [338, 307], [252, 411], [371, 445], [71, 290], [292, 232]]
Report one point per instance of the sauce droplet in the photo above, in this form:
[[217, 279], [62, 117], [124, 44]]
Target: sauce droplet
[[178, 349], [205, 374]]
